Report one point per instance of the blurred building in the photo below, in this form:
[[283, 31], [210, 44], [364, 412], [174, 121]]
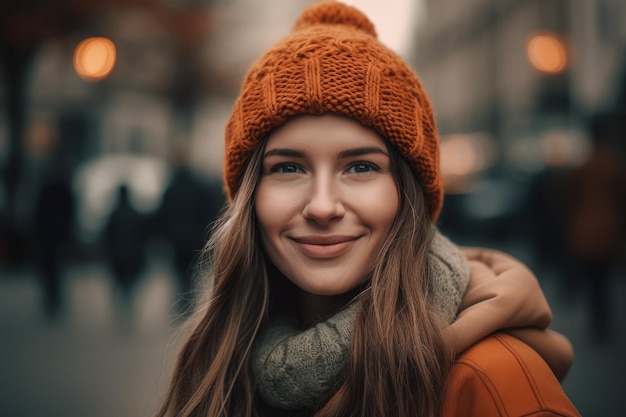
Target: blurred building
[[110, 85], [519, 67], [524, 76]]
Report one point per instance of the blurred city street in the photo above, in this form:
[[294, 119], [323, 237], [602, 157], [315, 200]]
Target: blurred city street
[[94, 361], [112, 120]]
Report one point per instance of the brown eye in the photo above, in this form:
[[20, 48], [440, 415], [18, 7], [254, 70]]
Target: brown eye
[[362, 167], [285, 168]]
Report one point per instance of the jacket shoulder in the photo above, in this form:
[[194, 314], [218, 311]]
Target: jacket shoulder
[[502, 376]]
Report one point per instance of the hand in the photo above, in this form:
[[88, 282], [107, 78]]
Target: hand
[[509, 284], [502, 293]]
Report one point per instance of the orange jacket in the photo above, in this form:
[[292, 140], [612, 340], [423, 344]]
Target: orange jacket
[[502, 376]]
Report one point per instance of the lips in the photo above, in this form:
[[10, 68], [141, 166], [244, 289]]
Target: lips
[[324, 247]]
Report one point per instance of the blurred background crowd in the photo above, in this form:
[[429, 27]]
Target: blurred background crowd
[[111, 136]]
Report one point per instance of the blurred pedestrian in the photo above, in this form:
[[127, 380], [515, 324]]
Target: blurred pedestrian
[[595, 221], [188, 207], [125, 237], [55, 209], [544, 219]]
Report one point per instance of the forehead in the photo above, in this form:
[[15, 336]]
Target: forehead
[[323, 131]]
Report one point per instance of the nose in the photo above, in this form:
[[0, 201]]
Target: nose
[[325, 203]]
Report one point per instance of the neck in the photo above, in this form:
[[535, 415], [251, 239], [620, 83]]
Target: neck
[[311, 308], [316, 308]]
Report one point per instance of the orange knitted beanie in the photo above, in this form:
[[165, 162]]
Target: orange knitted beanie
[[332, 62]]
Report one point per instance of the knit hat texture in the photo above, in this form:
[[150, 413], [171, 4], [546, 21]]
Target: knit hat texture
[[332, 62]]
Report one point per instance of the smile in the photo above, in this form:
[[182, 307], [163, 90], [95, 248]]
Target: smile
[[325, 247]]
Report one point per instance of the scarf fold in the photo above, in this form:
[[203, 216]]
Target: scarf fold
[[298, 369]]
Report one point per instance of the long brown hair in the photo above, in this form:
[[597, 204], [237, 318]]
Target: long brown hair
[[398, 361], [211, 376]]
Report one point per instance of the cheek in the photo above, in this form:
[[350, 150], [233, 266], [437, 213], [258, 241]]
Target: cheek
[[380, 205], [273, 208]]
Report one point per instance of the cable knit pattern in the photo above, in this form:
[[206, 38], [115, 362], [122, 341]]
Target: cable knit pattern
[[332, 62], [300, 369]]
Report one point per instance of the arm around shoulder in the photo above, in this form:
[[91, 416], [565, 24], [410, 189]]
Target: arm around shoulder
[[502, 293]]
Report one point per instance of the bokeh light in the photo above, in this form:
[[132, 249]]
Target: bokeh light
[[546, 53], [94, 58], [462, 157]]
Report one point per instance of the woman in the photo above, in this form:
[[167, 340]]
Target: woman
[[331, 167]]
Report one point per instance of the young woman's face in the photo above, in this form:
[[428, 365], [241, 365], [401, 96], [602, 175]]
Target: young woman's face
[[325, 202]]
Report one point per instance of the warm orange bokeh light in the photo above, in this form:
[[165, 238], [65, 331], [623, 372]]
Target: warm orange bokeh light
[[546, 53], [463, 156], [94, 58]]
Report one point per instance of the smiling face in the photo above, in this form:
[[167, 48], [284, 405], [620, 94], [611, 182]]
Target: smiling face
[[325, 202]]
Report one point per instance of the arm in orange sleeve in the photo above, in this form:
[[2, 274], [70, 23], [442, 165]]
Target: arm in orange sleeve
[[504, 294]]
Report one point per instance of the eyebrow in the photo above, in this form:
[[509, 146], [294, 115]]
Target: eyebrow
[[345, 154], [361, 151], [283, 152]]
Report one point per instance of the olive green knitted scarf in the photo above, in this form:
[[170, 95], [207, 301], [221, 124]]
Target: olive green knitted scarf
[[298, 369]]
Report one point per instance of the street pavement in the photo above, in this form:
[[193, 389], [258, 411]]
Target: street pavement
[[97, 360]]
